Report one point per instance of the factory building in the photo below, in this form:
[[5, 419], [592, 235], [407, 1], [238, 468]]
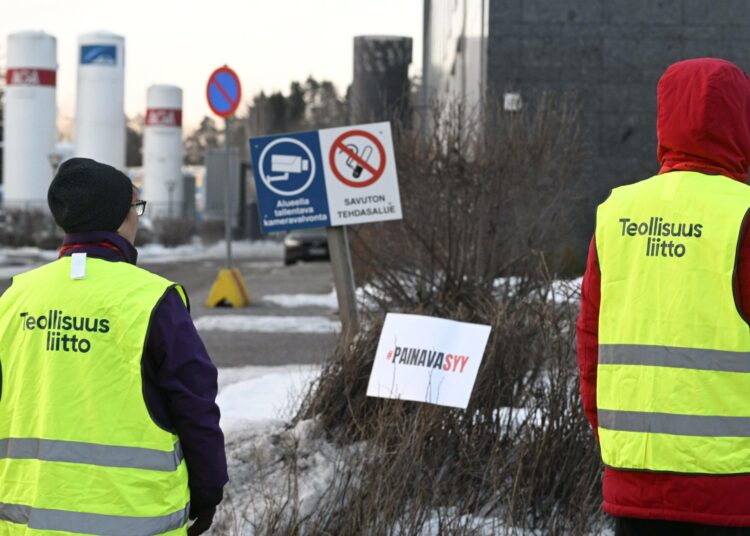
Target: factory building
[[609, 54]]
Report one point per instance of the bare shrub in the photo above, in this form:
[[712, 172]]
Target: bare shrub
[[520, 458], [480, 193], [29, 227], [146, 234], [174, 231], [482, 206], [211, 231], [521, 454]]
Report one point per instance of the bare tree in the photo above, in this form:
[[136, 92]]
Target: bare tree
[[307, 106], [134, 141], [206, 136]]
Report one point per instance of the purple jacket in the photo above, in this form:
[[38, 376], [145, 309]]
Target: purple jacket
[[179, 379]]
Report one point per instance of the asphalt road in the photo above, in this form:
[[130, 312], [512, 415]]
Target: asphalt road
[[264, 276]]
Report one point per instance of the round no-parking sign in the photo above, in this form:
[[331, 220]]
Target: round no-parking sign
[[223, 91]]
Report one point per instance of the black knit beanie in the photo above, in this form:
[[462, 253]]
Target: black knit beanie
[[86, 195]]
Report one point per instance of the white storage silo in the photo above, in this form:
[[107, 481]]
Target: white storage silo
[[30, 114], [162, 152], [100, 98]]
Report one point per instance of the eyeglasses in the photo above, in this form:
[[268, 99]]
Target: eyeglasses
[[140, 207]]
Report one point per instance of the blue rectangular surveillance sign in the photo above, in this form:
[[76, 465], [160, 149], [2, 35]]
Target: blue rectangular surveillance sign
[[289, 181]]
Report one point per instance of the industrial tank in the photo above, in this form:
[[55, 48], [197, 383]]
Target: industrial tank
[[100, 98], [30, 114], [162, 152]]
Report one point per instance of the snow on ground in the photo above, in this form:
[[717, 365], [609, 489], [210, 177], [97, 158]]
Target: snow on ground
[[271, 461], [9, 254], [563, 290], [14, 261], [481, 526], [368, 296], [257, 394], [6, 272], [268, 324], [560, 291], [156, 253], [256, 403], [329, 301]]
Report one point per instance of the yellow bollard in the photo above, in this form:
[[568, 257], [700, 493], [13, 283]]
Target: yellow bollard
[[229, 288]]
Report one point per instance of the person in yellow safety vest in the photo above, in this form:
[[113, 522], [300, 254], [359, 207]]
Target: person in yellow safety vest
[[663, 333], [108, 420]]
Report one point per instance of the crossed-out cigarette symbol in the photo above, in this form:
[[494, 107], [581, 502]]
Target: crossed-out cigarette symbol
[[364, 155]]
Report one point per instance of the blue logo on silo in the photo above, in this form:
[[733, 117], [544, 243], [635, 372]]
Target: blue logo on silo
[[98, 55]]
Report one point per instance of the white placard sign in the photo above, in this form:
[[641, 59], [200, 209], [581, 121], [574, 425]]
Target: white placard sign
[[427, 359], [359, 165]]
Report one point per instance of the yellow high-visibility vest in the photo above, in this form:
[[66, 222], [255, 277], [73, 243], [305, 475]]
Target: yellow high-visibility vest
[[673, 380], [79, 452]]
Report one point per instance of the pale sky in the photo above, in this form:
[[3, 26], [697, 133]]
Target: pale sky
[[268, 43]]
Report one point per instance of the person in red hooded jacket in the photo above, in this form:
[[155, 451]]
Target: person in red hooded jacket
[[703, 126]]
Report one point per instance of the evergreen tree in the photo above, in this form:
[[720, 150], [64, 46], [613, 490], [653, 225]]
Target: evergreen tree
[[206, 136]]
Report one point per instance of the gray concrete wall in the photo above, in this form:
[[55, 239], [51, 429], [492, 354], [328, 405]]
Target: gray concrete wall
[[611, 53]]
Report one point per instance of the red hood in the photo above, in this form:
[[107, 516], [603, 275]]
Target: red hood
[[703, 119]]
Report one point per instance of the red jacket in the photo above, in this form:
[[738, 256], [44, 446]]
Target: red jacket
[[703, 125]]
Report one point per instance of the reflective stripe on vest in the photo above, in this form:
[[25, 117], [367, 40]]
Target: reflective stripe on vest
[[77, 522], [664, 356], [668, 423], [79, 451], [104, 455], [673, 380]]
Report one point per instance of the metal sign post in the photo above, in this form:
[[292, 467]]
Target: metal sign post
[[223, 92], [227, 212], [343, 279]]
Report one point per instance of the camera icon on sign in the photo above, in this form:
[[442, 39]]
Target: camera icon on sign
[[285, 165]]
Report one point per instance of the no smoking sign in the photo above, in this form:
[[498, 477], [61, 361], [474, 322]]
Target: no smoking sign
[[357, 158], [360, 173]]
